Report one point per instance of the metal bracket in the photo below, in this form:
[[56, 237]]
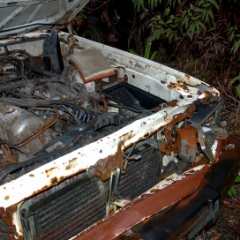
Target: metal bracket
[[104, 167], [204, 144], [113, 190]]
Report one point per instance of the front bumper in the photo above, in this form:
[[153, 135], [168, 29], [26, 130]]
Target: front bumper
[[177, 210]]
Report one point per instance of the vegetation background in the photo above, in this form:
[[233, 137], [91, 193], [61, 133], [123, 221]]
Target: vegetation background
[[201, 38]]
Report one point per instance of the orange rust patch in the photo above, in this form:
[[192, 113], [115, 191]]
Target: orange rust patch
[[71, 164], [31, 175], [207, 97], [54, 181], [146, 135], [40, 190], [187, 77], [7, 221], [50, 171]]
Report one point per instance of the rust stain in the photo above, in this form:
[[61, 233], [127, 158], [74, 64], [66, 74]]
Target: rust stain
[[232, 153], [49, 171], [146, 135], [187, 77], [189, 133], [40, 190], [6, 218], [103, 167], [222, 143], [168, 146], [124, 137], [31, 175], [7, 197], [141, 209], [206, 97], [54, 181], [179, 84], [71, 164]]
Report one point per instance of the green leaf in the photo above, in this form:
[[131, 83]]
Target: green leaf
[[191, 31], [186, 22], [167, 11], [138, 5], [168, 32], [202, 25], [238, 90], [237, 179], [162, 22], [184, 13], [235, 47], [233, 190], [211, 15], [230, 38], [237, 78], [147, 50], [213, 2], [204, 13], [132, 52], [153, 56], [169, 21], [229, 193]]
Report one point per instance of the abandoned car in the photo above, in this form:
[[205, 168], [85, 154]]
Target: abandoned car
[[97, 143]]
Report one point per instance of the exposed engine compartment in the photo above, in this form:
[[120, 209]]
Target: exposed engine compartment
[[62, 100], [45, 108]]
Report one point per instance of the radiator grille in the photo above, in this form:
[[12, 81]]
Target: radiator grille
[[141, 174], [68, 211]]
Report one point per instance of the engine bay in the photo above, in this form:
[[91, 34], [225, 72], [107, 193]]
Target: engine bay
[[46, 108]]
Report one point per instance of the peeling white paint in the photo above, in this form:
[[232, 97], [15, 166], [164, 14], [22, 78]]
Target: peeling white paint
[[174, 178]]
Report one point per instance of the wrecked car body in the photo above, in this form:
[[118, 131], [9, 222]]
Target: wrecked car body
[[96, 139]]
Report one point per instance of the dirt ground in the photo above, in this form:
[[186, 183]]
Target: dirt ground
[[227, 226]]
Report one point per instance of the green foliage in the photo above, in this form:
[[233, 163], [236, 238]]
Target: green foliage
[[232, 191], [190, 21], [208, 30], [237, 179], [233, 81], [138, 4], [147, 52], [82, 14]]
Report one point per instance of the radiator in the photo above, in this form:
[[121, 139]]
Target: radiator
[[63, 213]]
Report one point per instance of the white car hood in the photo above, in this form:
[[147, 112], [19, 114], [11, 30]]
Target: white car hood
[[21, 16]]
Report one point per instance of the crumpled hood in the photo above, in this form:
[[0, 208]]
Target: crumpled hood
[[21, 16]]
